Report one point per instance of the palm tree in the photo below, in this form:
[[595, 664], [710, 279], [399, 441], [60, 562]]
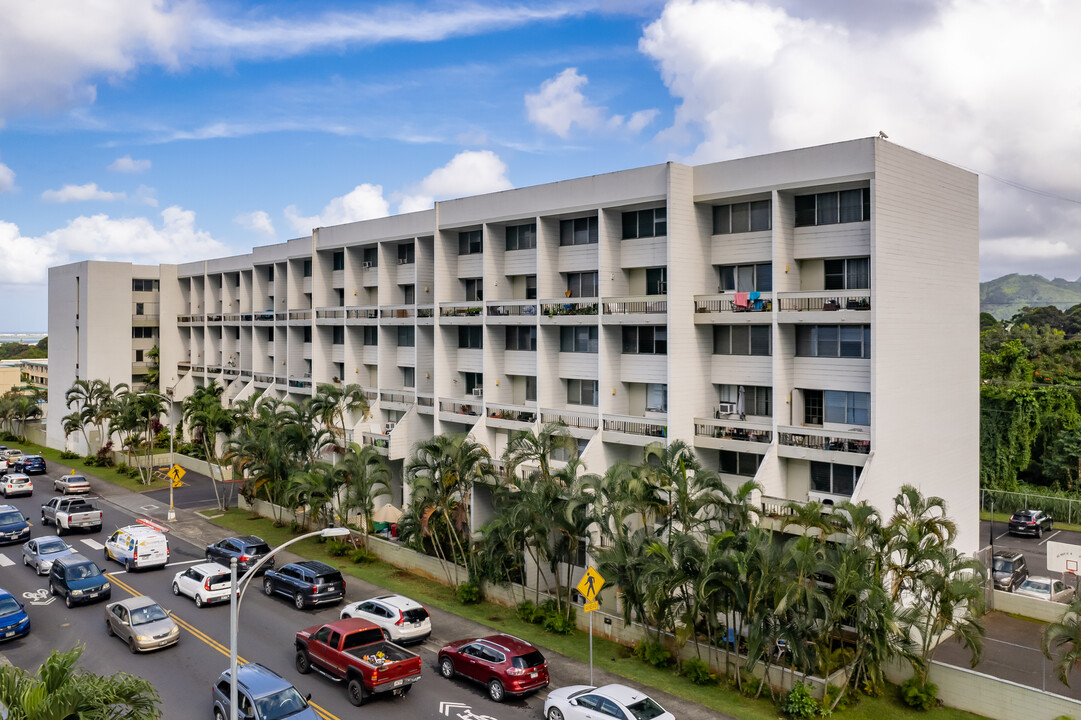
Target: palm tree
[[207, 418], [58, 691], [692, 495], [331, 403], [530, 448], [316, 487], [93, 399], [366, 476], [260, 453], [1061, 641]]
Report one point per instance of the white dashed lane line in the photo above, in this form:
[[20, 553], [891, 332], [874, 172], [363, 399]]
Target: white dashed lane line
[[5, 561], [92, 544]]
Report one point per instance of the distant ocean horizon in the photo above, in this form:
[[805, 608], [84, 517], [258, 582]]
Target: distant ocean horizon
[[27, 338]]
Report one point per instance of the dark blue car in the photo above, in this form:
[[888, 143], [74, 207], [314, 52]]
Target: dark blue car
[[30, 464], [13, 526], [14, 622]]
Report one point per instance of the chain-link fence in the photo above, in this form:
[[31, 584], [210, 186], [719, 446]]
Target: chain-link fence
[[1004, 501]]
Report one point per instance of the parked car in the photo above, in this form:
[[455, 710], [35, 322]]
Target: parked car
[[71, 484], [29, 464], [14, 622], [262, 694], [506, 664], [247, 549], [138, 547], [12, 456], [204, 583], [40, 552], [13, 525], [70, 513], [1008, 569], [15, 483], [1045, 588], [402, 620], [78, 579], [141, 623], [1030, 522], [580, 702], [309, 582]]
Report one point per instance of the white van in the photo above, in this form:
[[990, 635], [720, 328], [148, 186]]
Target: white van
[[138, 546]]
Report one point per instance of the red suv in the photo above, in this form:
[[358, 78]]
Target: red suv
[[506, 664]]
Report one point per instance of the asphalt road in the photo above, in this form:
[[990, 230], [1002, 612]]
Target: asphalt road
[[184, 673], [1035, 550]]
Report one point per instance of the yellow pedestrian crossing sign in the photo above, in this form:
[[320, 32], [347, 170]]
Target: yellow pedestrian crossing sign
[[590, 584], [176, 474]]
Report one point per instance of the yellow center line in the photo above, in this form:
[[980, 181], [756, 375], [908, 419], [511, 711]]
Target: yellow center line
[[199, 634]]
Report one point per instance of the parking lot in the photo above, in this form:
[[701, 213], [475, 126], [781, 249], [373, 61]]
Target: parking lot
[[1035, 550]]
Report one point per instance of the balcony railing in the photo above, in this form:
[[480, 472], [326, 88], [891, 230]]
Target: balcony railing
[[396, 396], [851, 442], [726, 302], [825, 300], [183, 366], [300, 314], [265, 316], [425, 400], [776, 507], [362, 313], [263, 378], [635, 305], [300, 383], [371, 394], [516, 413], [330, 313], [569, 306], [512, 308], [425, 311], [375, 439], [584, 420], [460, 407], [456, 309], [732, 430], [398, 311], [636, 425], [233, 317]]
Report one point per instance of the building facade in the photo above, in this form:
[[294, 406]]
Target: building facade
[[798, 318]]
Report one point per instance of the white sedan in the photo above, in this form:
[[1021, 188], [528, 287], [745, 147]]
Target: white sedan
[[16, 484], [1044, 588], [205, 583], [585, 702], [402, 620], [71, 484]]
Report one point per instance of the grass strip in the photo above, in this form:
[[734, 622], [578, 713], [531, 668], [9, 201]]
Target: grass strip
[[109, 474]]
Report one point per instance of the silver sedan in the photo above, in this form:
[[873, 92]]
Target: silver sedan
[[40, 552], [71, 484], [142, 623]]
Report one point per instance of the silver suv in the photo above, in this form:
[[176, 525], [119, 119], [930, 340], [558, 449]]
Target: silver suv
[[262, 694]]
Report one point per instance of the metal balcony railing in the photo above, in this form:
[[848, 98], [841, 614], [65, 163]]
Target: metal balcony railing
[[824, 300]]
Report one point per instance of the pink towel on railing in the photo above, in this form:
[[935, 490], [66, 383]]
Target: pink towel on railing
[[742, 300]]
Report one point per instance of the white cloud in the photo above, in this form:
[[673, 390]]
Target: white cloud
[[100, 237], [560, 104], [7, 178], [1026, 247], [472, 172], [257, 221], [81, 193], [127, 165], [364, 202]]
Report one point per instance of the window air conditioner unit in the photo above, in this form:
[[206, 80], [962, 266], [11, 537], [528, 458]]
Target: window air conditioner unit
[[388, 427], [478, 392], [368, 264], [726, 408]]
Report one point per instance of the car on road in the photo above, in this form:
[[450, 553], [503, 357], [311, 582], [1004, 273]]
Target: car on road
[[1044, 588], [16, 484], [40, 552], [204, 583], [1008, 569], [13, 525], [12, 456], [402, 620], [78, 579], [262, 694], [505, 664], [141, 623], [137, 547], [309, 582], [29, 464], [247, 549], [14, 622], [580, 702], [71, 484], [1030, 522]]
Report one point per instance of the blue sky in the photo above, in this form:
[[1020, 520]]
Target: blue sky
[[167, 131]]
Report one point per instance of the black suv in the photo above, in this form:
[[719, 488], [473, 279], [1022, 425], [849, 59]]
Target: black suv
[[308, 583], [247, 549], [78, 579], [1009, 569], [1030, 522]]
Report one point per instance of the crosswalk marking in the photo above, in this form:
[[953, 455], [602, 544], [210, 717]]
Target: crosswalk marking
[[92, 544], [5, 561]]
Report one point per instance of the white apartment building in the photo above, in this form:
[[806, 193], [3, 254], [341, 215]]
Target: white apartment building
[[806, 318]]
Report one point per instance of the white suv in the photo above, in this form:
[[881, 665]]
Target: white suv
[[403, 620]]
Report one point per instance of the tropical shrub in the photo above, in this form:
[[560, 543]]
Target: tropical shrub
[[918, 694], [68, 455], [360, 555], [557, 624], [799, 703], [653, 653], [697, 671], [469, 593], [338, 549]]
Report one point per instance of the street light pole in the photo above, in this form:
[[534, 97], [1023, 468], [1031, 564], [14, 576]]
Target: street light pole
[[237, 588]]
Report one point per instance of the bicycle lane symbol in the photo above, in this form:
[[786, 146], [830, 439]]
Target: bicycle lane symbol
[[39, 597]]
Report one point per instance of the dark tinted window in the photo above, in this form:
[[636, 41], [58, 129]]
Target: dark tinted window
[[645, 709], [415, 615], [530, 659], [262, 549], [326, 578]]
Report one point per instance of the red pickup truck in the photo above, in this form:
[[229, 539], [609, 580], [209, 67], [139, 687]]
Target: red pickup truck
[[354, 651]]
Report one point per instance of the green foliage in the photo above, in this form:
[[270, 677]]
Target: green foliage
[[1011, 294], [7, 436], [338, 549], [919, 694], [469, 593], [557, 624], [22, 351], [697, 671], [524, 610], [360, 555], [68, 455], [653, 653], [800, 703]]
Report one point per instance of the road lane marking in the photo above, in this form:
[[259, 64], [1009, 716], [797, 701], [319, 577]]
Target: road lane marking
[[1049, 537], [5, 561], [1003, 535], [92, 544]]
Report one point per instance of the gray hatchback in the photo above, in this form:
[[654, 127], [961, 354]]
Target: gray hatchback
[[262, 694]]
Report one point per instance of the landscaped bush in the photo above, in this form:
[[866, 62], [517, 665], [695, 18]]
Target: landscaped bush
[[338, 549], [653, 653], [122, 468], [524, 610], [105, 455], [468, 593], [799, 703], [68, 455], [556, 624], [90, 461], [697, 671], [360, 555], [921, 696]]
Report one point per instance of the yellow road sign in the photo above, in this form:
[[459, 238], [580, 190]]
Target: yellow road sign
[[591, 606], [590, 584], [176, 474]]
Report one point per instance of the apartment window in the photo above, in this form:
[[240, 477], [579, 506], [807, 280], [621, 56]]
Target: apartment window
[[846, 341], [739, 463], [521, 337], [406, 336], [338, 335], [409, 377], [656, 281], [473, 381], [470, 242], [746, 278], [143, 285], [144, 332], [742, 217], [522, 237], [406, 254], [645, 223], [339, 370], [236, 333], [474, 289], [307, 334], [645, 340], [757, 400], [582, 392], [138, 308], [470, 336], [833, 478], [578, 339], [370, 257], [582, 284], [848, 274], [580, 231], [307, 268], [531, 388], [741, 340], [270, 334], [812, 407], [656, 397], [371, 335], [138, 356], [337, 260], [847, 408], [270, 273], [831, 208], [530, 287], [409, 294]]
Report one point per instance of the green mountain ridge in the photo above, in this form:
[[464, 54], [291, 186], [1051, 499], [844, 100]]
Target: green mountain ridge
[[1005, 296]]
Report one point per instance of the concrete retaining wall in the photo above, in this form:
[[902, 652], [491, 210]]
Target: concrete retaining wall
[[1028, 607], [160, 459]]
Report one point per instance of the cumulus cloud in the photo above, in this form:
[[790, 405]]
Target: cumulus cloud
[[7, 178], [472, 172], [127, 165], [100, 237], [258, 222], [81, 193], [364, 202], [560, 104]]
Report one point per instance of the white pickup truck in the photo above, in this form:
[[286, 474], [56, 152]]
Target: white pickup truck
[[69, 513]]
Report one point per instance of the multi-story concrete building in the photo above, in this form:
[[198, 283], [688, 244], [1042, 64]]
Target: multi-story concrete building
[[805, 318]]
